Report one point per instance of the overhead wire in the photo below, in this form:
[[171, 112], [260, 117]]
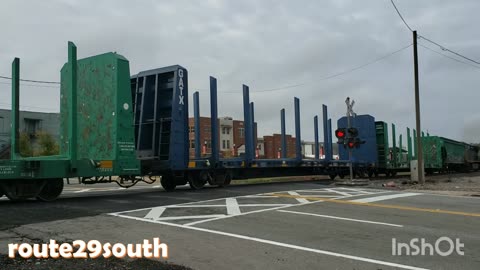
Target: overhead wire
[[401, 17], [443, 48], [452, 58], [33, 81]]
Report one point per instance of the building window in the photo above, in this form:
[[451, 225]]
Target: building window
[[259, 147], [241, 132], [192, 144], [228, 130], [208, 143], [223, 130], [228, 144], [32, 126], [192, 129], [223, 144]]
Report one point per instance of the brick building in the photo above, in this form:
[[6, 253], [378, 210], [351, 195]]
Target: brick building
[[231, 136], [273, 144]]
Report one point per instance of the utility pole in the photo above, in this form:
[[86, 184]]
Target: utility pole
[[417, 112], [349, 125]]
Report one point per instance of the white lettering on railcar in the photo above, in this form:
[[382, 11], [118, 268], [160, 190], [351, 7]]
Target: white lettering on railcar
[[180, 86], [7, 169]]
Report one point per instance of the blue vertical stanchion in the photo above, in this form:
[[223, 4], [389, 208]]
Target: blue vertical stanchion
[[196, 116], [283, 135], [214, 119], [246, 120], [252, 124], [315, 126], [298, 139], [325, 134]]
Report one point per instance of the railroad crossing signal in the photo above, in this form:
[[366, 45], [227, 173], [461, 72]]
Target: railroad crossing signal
[[340, 134], [348, 137]]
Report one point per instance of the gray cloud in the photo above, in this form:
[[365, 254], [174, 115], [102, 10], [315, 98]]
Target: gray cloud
[[265, 44]]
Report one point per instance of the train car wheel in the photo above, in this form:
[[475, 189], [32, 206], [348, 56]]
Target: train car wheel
[[197, 180], [51, 190], [168, 183], [227, 179]]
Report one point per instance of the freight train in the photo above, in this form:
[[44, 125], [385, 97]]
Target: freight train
[[120, 128], [386, 157]]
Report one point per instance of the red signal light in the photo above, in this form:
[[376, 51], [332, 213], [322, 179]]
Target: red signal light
[[340, 133], [351, 144]]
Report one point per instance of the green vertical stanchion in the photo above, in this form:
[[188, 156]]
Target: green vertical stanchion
[[394, 143], [72, 89], [409, 146], [401, 150], [14, 140]]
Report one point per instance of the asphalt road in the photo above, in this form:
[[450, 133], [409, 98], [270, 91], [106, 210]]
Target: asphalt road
[[296, 225]]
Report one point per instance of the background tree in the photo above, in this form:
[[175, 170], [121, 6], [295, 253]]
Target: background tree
[[47, 145]]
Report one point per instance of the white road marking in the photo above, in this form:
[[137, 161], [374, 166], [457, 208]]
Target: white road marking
[[189, 217], [280, 244], [341, 218], [338, 192], [222, 205], [242, 214], [232, 206], [300, 200], [385, 197], [155, 212]]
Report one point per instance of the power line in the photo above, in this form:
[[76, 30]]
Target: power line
[[443, 48], [401, 17], [333, 75], [34, 81], [444, 55], [448, 50], [27, 106], [33, 85]]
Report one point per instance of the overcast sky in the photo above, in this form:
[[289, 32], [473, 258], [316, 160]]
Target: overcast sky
[[265, 44]]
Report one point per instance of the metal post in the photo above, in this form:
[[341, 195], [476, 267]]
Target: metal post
[[283, 138], [394, 143], [349, 125], [196, 115], [329, 145], [246, 121], [409, 147], [15, 137], [214, 119], [417, 111], [72, 62], [315, 127], [325, 133], [401, 149], [252, 124], [298, 139]]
